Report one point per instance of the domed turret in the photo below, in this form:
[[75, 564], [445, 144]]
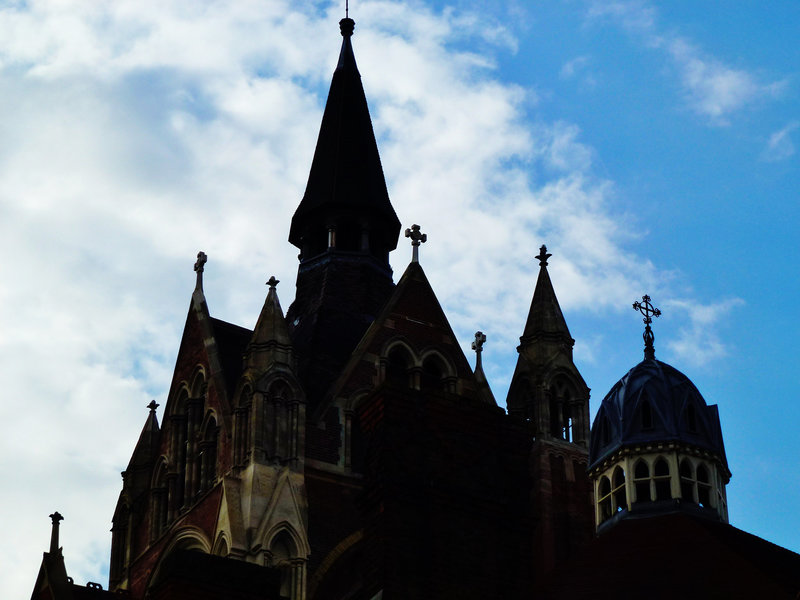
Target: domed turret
[[656, 446]]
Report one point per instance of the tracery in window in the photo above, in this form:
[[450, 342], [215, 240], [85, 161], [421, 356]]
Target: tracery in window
[[604, 498], [641, 481], [618, 492], [703, 487], [687, 481], [661, 477]]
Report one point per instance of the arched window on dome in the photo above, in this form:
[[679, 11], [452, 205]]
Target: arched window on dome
[[687, 481], [605, 431], [619, 497], [661, 477], [604, 498], [703, 487], [647, 415], [641, 481], [691, 418]]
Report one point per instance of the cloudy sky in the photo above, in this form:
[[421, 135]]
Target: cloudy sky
[[653, 148]]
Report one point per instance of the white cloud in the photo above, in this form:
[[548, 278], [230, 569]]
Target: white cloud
[[698, 343], [780, 145], [139, 132], [711, 88]]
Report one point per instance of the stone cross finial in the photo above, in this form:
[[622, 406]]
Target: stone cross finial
[[543, 256], [649, 311], [199, 265], [273, 282], [417, 238], [477, 345], [56, 518], [153, 405]]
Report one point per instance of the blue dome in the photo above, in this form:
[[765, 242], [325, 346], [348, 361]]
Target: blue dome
[[654, 403]]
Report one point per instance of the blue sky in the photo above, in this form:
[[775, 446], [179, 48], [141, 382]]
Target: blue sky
[[652, 147]]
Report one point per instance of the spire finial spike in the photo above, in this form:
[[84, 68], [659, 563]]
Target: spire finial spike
[[202, 259], [477, 345], [543, 256], [417, 238], [649, 311], [56, 518], [346, 9], [273, 282]]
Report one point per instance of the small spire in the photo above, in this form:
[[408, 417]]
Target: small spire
[[417, 238], [543, 256], [56, 517], [273, 282], [649, 311], [477, 345], [153, 405], [202, 259]]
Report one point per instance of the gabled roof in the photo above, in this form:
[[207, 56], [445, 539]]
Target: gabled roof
[[412, 314], [346, 173]]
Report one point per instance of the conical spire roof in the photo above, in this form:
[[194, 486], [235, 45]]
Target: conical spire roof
[[270, 342], [147, 446], [545, 318], [346, 177]]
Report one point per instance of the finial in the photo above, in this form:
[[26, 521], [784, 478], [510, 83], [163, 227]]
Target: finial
[[153, 406], [56, 517], [347, 26], [202, 259], [649, 311], [477, 345], [417, 238], [543, 256], [346, 9], [273, 282]]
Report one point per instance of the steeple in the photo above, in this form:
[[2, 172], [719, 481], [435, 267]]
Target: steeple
[[545, 321], [345, 228], [345, 205], [547, 390]]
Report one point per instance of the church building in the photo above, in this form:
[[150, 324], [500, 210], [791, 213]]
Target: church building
[[348, 449]]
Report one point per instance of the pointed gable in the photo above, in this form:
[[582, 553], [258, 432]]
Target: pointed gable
[[413, 319]]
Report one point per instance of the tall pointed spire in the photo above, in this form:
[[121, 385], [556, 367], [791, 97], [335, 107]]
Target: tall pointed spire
[[545, 320], [346, 188], [345, 228]]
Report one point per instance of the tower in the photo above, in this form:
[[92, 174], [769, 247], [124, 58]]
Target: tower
[[550, 397], [345, 228], [656, 445]]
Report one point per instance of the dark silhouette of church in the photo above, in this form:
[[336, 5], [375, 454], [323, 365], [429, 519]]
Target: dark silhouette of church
[[348, 450]]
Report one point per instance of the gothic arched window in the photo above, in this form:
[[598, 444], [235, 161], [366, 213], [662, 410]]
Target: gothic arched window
[[641, 481], [618, 491], [687, 481], [398, 363], [604, 498], [661, 477]]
